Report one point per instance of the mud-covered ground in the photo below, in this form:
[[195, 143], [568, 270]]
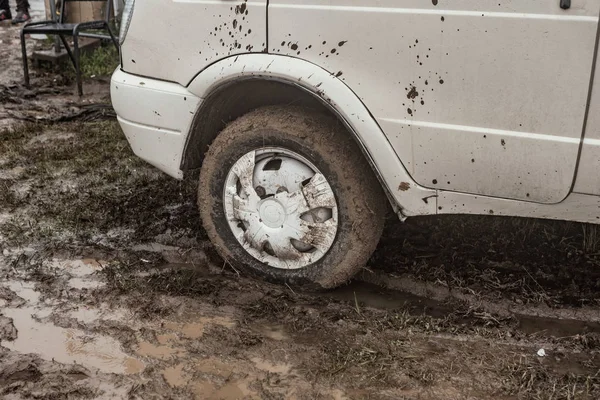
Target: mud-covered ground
[[109, 288]]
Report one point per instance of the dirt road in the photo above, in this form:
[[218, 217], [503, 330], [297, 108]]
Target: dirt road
[[110, 289]]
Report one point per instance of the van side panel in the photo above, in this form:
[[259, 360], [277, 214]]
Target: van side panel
[[588, 173], [182, 37], [411, 198], [476, 96]]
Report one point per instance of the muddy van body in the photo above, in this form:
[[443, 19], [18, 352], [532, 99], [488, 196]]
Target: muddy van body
[[310, 120]]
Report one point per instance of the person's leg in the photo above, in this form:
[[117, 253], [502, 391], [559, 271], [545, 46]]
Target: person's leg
[[4, 10], [23, 6], [22, 12]]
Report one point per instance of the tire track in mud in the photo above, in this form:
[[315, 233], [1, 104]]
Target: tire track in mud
[[322, 337]]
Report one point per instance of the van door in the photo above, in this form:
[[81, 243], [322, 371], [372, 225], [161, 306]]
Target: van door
[[477, 96], [588, 178]]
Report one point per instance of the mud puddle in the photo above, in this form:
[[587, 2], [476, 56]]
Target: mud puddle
[[67, 346], [37, 335], [559, 328], [362, 294], [82, 273], [370, 295]]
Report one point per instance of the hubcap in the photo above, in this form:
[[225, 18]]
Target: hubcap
[[280, 208], [272, 213]]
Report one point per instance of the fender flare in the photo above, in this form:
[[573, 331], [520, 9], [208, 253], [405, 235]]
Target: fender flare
[[412, 198]]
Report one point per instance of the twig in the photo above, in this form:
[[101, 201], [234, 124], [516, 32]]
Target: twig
[[356, 304], [531, 276], [292, 290], [225, 262]]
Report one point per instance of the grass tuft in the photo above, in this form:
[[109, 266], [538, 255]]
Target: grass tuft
[[100, 62]]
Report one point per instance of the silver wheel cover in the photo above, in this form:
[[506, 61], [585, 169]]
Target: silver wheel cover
[[280, 208]]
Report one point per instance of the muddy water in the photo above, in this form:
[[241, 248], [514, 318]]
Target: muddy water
[[163, 352], [175, 376], [73, 346], [195, 330], [69, 346], [232, 389], [89, 315], [78, 268], [81, 272], [172, 332], [364, 294], [177, 351], [369, 295], [25, 290], [54, 343], [556, 327]]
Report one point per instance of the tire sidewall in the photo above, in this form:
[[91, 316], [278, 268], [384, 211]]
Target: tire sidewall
[[256, 140], [324, 142]]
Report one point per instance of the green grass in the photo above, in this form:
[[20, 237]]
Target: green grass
[[100, 62]]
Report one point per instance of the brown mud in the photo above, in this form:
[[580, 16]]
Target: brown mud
[[110, 289], [52, 95]]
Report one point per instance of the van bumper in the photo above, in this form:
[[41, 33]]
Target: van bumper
[[155, 116]]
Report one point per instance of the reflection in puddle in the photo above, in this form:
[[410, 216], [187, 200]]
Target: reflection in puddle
[[68, 346]]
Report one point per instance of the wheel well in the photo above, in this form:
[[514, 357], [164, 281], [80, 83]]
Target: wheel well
[[233, 100]]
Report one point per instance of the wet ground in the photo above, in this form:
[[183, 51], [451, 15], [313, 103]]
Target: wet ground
[[110, 289]]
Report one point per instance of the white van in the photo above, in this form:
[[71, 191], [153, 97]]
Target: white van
[[310, 119]]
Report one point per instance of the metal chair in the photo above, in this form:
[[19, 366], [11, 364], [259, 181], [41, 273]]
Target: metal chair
[[62, 29]]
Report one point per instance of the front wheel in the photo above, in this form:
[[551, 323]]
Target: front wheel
[[286, 194]]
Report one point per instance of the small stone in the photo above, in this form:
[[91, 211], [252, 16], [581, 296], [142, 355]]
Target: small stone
[[541, 353]]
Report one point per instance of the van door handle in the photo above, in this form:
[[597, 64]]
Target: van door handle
[[565, 4]]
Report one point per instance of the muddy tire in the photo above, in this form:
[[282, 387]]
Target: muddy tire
[[356, 206]]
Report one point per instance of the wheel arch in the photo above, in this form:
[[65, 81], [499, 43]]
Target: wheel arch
[[237, 85]]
